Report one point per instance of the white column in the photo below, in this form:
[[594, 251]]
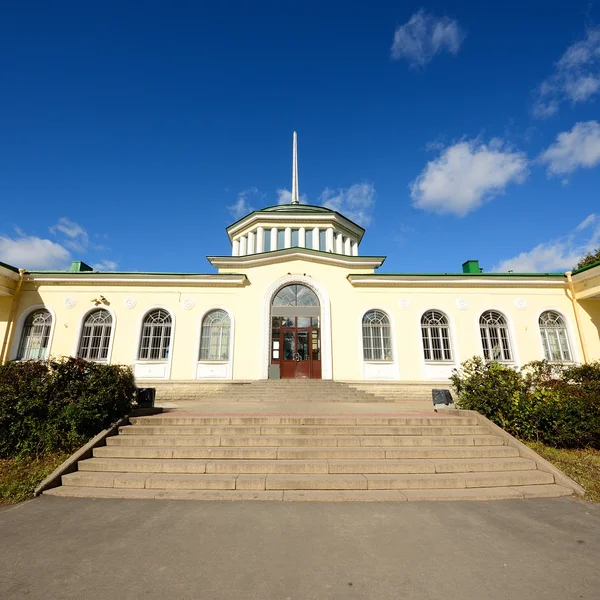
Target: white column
[[329, 240], [235, 250], [316, 239], [339, 244], [243, 246], [348, 247], [274, 238], [251, 237], [354, 248], [302, 237], [260, 239], [287, 240]]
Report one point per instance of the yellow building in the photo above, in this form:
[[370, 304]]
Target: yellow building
[[296, 299]]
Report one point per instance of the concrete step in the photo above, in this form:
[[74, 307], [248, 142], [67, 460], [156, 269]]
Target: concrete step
[[305, 453], [490, 493], [314, 430], [406, 421], [306, 481], [340, 466], [305, 440]]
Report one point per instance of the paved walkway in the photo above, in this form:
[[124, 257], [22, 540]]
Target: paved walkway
[[55, 548]]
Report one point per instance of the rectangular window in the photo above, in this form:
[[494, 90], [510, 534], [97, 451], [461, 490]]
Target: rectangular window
[[267, 241], [322, 238], [294, 237], [309, 235], [280, 239]]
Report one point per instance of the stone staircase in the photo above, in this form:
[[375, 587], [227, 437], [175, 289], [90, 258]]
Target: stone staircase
[[179, 393], [333, 457]]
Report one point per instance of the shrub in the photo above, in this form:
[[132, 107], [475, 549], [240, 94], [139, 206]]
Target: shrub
[[559, 406], [58, 405]]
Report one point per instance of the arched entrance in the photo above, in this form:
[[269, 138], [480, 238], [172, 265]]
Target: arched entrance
[[296, 332]]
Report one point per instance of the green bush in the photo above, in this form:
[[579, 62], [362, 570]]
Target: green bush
[[58, 405], [559, 406]]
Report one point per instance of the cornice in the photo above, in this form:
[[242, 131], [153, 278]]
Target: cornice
[[288, 254], [437, 281], [142, 279], [313, 219]]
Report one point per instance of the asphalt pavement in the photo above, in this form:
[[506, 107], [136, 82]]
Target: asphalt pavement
[[67, 548]]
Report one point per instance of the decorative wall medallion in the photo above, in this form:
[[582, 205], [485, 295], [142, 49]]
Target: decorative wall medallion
[[69, 302], [130, 302], [404, 303], [462, 304], [188, 303], [521, 303]]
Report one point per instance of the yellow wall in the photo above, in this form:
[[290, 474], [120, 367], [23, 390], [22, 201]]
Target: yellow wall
[[348, 304]]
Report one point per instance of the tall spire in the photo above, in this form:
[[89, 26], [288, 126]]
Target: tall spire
[[295, 171]]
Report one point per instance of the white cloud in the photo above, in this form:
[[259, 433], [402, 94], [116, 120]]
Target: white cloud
[[284, 196], [356, 202], [560, 254], [29, 252], [423, 36], [78, 239], [466, 175], [242, 206], [576, 77], [579, 147], [106, 265]]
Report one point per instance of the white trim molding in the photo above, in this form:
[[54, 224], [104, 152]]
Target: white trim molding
[[325, 330]]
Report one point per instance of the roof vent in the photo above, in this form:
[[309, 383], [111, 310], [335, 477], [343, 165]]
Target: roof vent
[[78, 266], [471, 266]]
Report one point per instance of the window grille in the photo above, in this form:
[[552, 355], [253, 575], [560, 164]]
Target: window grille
[[95, 336], [494, 337], [35, 338], [377, 343], [216, 331], [436, 336], [156, 336], [554, 337], [295, 295]]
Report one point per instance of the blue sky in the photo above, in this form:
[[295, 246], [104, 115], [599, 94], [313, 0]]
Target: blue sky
[[133, 133]]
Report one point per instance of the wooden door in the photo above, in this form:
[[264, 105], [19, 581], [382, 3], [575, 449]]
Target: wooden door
[[297, 349]]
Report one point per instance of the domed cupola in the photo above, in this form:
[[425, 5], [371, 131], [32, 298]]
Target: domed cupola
[[295, 225]]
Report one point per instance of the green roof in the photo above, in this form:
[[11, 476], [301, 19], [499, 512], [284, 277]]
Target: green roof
[[9, 267], [586, 268], [548, 275], [303, 209]]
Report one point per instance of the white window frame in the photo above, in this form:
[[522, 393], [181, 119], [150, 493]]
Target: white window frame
[[214, 369], [567, 328], [509, 336], [449, 336], [82, 320], [153, 369], [16, 344], [382, 338]]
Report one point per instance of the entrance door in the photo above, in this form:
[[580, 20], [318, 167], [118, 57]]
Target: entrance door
[[295, 333], [295, 363], [296, 347]]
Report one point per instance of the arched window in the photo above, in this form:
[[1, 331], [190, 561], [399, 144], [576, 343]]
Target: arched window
[[377, 343], [295, 295], [35, 339], [436, 336], [95, 336], [156, 335], [494, 336], [554, 337], [214, 341]]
